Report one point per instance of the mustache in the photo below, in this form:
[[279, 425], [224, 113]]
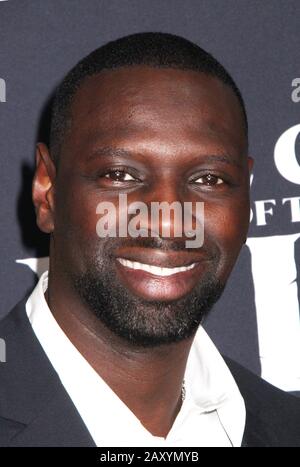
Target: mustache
[[157, 243], [110, 245]]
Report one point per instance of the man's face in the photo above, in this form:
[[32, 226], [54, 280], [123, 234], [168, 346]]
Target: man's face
[[154, 135]]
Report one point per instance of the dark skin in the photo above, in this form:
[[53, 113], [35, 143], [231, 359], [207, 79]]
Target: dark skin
[[184, 139]]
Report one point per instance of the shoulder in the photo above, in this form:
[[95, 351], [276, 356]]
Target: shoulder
[[14, 319], [26, 365], [273, 416]]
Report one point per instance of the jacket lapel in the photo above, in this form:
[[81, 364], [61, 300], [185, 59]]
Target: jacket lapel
[[254, 434], [57, 424], [35, 409]]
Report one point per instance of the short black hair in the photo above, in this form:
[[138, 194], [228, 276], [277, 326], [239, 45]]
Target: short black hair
[[154, 49]]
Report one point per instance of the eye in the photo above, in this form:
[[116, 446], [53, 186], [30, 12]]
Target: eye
[[209, 180], [119, 176]]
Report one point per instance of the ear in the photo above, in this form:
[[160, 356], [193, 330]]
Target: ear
[[43, 189]]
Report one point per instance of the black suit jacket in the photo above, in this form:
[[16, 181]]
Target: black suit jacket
[[35, 409]]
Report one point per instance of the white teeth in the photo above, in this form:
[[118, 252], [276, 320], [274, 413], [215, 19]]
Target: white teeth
[[156, 270]]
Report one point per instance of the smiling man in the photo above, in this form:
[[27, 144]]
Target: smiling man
[[109, 350]]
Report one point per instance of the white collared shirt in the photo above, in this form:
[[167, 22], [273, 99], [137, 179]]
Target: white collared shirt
[[212, 414]]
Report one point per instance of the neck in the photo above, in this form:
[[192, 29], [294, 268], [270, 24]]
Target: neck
[[147, 380]]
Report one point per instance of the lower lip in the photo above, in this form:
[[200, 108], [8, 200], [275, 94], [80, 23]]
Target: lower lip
[[159, 288]]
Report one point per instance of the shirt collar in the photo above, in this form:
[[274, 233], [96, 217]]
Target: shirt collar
[[210, 387]]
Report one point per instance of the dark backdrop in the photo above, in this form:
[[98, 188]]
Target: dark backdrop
[[257, 320]]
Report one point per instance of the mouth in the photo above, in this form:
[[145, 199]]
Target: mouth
[[154, 270], [161, 276]]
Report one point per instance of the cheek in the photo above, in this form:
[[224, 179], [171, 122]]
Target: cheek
[[75, 219], [227, 227]]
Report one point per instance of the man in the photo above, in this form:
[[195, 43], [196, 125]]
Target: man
[[109, 350]]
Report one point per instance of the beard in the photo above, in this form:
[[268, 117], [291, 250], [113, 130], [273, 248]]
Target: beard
[[139, 322]]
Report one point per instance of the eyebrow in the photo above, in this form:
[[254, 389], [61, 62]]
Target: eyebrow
[[120, 152], [109, 151], [226, 159]]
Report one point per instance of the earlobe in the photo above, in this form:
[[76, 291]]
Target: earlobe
[[43, 189]]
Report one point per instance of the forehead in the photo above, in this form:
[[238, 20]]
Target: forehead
[[156, 103]]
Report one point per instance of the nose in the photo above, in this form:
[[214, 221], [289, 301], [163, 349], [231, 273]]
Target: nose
[[166, 206], [169, 207]]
